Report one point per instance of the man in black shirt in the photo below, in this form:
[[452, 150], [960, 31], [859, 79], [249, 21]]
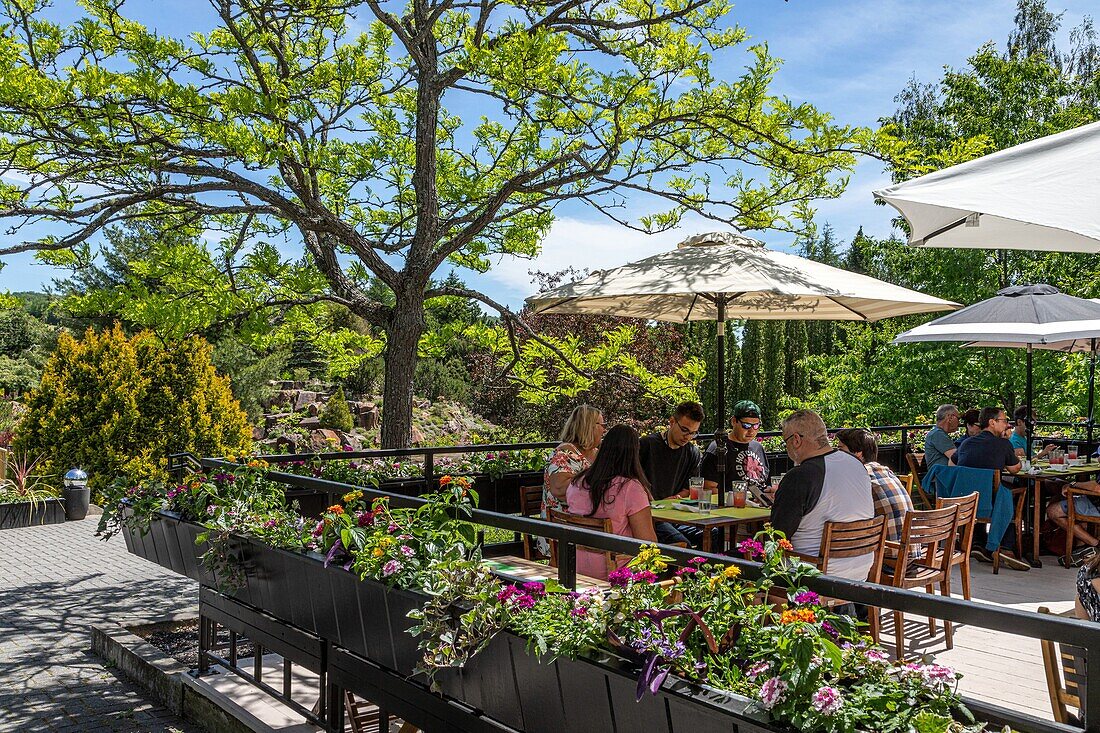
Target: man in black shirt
[[745, 457], [669, 458], [988, 449]]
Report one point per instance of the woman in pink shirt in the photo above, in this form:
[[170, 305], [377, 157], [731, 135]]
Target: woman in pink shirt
[[614, 487]]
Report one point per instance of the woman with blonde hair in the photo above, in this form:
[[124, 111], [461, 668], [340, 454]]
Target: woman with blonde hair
[[580, 438]]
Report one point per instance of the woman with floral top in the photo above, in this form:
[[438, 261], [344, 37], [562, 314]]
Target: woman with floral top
[[580, 438]]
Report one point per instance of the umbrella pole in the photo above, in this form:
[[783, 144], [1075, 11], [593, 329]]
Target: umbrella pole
[[1030, 407], [1092, 383], [719, 433]]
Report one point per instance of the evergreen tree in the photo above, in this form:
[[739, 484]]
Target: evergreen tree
[[336, 415], [797, 349], [773, 370]]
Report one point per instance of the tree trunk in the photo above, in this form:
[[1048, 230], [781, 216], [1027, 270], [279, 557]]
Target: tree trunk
[[402, 336]]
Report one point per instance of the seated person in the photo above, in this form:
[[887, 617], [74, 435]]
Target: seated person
[[1018, 438], [580, 438], [989, 449], [669, 459], [938, 445], [970, 425], [613, 487], [825, 485], [891, 499], [1058, 511], [745, 457], [1088, 590]]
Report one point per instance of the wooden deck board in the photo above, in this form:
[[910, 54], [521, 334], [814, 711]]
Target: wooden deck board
[[1000, 668]]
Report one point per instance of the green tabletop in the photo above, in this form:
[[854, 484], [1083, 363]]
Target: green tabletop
[[1045, 472], [725, 515]]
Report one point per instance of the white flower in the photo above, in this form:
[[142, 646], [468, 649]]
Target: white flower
[[771, 692], [827, 700], [756, 670]]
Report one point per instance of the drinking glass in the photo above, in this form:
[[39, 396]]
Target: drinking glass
[[706, 496], [695, 483], [1071, 452], [1056, 457]]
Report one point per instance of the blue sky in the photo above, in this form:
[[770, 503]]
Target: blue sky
[[848, 57]]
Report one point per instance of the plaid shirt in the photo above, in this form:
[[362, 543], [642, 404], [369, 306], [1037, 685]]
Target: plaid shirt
[[891, 499]]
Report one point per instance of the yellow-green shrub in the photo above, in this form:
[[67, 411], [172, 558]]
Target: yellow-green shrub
[[336, 415], [118, 405]]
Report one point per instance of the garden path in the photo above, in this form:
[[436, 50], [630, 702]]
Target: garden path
[[56, 582]]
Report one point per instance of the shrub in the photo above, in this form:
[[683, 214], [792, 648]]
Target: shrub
[[117, 406], [336, 415]]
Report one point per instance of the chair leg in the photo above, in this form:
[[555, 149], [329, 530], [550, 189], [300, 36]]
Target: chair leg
[[945, 591], [1071, 522], [931, 620], [997, 561], [874, 623], [899, 634], [964, 573]]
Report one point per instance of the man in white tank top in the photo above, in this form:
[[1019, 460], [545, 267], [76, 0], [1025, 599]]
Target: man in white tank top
[[826, 485]]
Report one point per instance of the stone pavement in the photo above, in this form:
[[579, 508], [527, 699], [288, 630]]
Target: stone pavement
[[56, 582]]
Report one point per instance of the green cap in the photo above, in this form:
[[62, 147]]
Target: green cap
[[746, 408]]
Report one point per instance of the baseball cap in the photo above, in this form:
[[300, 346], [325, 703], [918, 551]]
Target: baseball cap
[[746, 408]]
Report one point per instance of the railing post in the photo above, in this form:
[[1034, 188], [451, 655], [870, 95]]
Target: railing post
[[1091, 704], [429, 469], [567, 564], [904, 441]]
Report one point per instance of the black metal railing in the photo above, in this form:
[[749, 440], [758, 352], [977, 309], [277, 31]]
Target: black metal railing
[[1082, 634]]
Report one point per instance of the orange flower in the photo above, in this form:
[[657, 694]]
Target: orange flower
[[335, 509], [785, 544], [445, 480], [803, 615]]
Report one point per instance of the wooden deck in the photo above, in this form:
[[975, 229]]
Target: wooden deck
[[1000, 668]]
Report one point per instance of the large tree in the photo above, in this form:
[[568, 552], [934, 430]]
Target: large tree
[[283, 121]]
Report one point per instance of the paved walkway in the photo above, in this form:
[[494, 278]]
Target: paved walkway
[[55, 583]]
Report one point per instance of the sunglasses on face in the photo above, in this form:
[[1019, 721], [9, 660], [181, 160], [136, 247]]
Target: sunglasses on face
[[749, 425]]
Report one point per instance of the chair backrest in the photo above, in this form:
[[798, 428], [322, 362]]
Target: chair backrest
[[1065, 672], [929, 529], [530, 500], [968, 512], [854, 539], [916, 463], [907, 480], [575, 520]]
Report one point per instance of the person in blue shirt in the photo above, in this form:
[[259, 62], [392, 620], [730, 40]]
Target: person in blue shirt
[[938, 445], [1021, 415]]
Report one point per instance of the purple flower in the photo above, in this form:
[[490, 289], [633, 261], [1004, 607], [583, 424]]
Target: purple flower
[[579, 612], [697, 561], [829, 629], [771, 692], [271, 524], [524, 601], [210, 509], [364, 519], [391, 567], [756, 670], [750, 547], [876, 656], [686, 571], [406, 550], [347, 449], [535, 588], [827, 700], [645, 576], [807, 597], [393, 527], [620, 577], [507, 592]]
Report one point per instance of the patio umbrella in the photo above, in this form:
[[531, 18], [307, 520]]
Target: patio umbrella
[[1024, 316], [726, 275], [1041, 195]]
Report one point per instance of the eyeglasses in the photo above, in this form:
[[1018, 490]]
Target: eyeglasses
[[788, 437], [685, 431], [750, 425]]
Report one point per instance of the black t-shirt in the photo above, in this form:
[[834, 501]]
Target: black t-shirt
[[744, 462], [668, 469], [986, 450]]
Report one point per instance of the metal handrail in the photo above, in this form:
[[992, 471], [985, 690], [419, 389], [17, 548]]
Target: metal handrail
[[1023, 623]]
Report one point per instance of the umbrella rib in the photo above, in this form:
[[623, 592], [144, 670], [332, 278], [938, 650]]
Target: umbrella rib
[[945, 229], [850, 309], [691, 307]]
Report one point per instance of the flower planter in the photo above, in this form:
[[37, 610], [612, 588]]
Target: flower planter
[[24, 514]]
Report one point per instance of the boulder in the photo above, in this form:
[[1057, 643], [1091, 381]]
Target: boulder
[[310, 423], [271, 419], [286, 443], [305, 398], [416, 436], [350, 440], [367, 420], [324, 440], [257, 432]]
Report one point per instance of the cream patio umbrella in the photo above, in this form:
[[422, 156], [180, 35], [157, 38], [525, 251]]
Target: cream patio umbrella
[[726, 275], [1040, 195]]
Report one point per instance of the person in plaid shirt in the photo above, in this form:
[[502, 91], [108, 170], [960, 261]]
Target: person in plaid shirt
[[891, 499]]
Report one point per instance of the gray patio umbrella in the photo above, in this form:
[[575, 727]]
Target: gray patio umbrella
[[1024, 316], [726, 275]]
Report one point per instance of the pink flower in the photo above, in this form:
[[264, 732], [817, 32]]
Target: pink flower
[[697, 561], [406, 551], [535, 588], [392, 528], [391, 567], [771, 692], [579, 611], [807, 597], [645, 576], [750, 547], [876, 656], [686, 571], [619, 577], [756, 670], [507, 592], [827, 700], [364, 519], [271, 524], [318, 530]]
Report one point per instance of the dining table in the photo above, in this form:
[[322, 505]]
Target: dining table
[[726, 517], [1041, 471]]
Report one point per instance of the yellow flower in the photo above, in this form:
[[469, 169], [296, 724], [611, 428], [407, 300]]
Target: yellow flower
[[378, 552], [731, 572], [231, 458], [352, 496], [257, 463], [714, 580]]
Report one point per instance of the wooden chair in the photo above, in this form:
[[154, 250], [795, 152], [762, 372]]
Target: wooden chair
[[933, 531], [530, 505], [603, 525], [1072, 518], [916, 472], [960, 554], [1019, 494], [1066, 674], [856, 539], [364, 716]]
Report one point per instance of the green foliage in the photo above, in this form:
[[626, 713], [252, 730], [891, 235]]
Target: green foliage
[[117, 406], [25, 343], [336, 415], [249, 373]]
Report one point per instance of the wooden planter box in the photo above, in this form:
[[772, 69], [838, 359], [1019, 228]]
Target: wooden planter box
[[24, 514]]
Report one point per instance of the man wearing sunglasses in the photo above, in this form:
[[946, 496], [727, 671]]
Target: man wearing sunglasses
[[745, 457]]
